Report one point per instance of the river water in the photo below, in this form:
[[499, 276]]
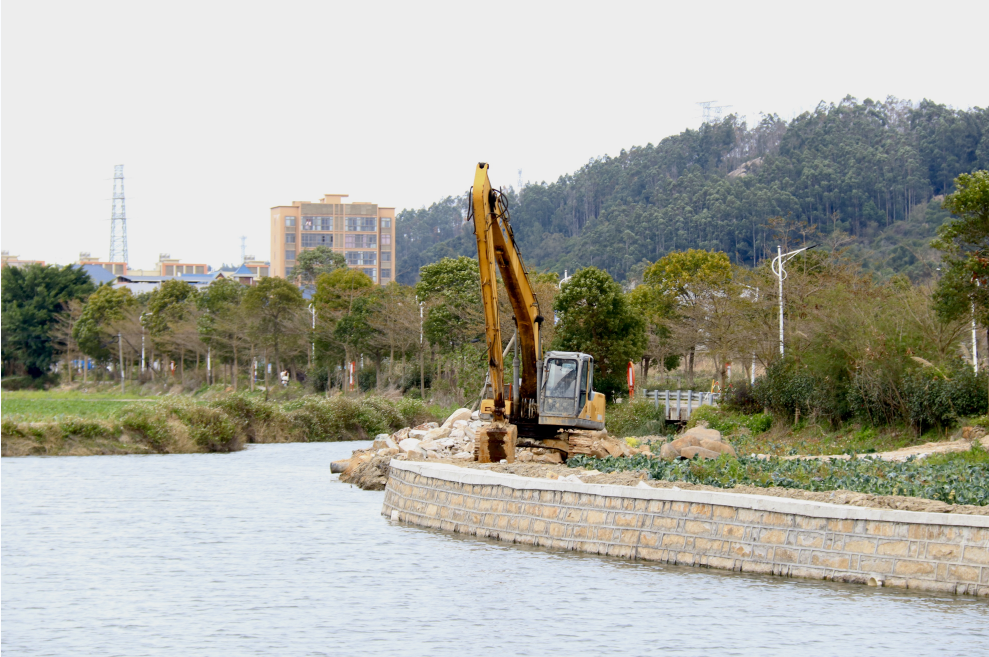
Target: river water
[[263, 552]]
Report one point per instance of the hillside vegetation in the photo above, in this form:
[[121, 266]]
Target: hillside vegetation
[[865, 171]]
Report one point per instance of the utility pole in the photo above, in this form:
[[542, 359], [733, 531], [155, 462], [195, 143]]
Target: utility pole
[[422, 357], [120, 351]]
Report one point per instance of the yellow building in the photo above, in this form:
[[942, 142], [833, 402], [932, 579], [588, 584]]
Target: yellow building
[[116, 268], [363, 232]]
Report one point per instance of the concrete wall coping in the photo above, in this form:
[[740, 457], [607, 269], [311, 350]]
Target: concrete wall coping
[[447, 472]]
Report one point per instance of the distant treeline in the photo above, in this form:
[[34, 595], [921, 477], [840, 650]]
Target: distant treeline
[[867, 169]]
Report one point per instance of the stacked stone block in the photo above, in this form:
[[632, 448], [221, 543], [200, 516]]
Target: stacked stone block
[[946, 553]]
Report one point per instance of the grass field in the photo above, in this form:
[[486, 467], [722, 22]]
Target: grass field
[[36, 406]]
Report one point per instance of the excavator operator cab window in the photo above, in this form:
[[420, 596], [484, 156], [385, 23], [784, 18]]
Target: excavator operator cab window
[[585, 371], [561, 378]]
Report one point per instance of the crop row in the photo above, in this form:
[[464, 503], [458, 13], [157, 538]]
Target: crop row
[[954, 478]]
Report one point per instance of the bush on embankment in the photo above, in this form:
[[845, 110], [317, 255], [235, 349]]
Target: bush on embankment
[[885, 392], [958, 478], [182, 425]]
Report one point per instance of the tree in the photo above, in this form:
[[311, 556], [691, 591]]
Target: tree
[[275, 305], [32, 297], [688, 285], [62, 334], [338, 289], [311, 263], [596, 318], [964, 245], [452, 290], [103, 307], [221, 324], [168, 305], [396, 323]]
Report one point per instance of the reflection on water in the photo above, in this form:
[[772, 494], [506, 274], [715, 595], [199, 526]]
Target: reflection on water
[[264, 552]]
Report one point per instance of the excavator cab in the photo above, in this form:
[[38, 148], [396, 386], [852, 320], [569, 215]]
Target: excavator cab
[[567, 397]]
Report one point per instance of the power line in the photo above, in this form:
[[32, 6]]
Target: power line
[[711, 113]]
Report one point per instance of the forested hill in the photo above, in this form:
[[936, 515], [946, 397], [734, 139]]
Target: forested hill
[[866, 168]]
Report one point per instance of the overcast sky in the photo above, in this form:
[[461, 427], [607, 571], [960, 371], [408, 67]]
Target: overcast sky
[[220, 110]]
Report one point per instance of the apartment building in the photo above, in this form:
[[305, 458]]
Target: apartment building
[[363, 232]]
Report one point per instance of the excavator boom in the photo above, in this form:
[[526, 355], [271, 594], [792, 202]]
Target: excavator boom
[[497, 252]]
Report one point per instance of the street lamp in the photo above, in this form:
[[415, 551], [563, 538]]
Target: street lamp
[[142, 343], [778, 262], [312, 342]]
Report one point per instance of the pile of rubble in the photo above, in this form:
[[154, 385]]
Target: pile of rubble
[[456, 440]]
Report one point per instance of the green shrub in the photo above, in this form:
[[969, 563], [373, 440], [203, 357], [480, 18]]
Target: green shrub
[[150, 422], [344, 418], [933, 400], [636, 418], [11, 428], [412, 410], [787, 387], [880, 393], [209, 427], [87, 428], [253, 417], [740, 399], [367, 379]]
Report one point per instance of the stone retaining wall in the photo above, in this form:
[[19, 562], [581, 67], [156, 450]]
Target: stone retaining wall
[[939, 552]]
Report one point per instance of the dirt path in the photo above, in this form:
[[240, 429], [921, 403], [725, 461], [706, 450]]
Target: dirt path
[[920, 451]]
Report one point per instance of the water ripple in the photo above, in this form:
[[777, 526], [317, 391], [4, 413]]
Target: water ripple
[[263, 552]]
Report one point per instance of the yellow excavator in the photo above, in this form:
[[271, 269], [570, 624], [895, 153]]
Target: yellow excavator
[[553, 392]]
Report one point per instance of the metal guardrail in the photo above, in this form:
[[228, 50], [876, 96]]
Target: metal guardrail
[[679, 404]]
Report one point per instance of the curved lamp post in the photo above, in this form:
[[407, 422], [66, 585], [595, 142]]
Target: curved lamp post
[[778, 262]]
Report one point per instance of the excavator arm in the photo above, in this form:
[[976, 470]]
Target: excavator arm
[[497, 252]]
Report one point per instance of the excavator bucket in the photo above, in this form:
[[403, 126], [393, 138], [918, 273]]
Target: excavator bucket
[[496, 442]]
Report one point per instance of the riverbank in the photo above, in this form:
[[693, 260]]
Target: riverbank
[[68, 425], [935, 552]]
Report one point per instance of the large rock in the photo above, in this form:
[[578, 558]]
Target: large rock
[[703, 433], [456, 416], [718, 446], [400, 435], [549, 457], [368, 473], [437, 434], [685, 441], [691, 452], [668, 452], [383, 441], [409, 444]]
